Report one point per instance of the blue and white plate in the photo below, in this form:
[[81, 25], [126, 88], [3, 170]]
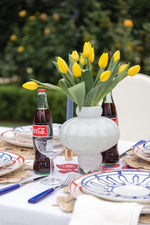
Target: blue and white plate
[[25, 130], [141, 152], [146, 147], [119, 185], [5, 158]]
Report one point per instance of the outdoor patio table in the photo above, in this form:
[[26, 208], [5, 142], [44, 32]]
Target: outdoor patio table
[[14, 206]]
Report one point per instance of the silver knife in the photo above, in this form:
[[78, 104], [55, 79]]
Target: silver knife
[[16, 186]]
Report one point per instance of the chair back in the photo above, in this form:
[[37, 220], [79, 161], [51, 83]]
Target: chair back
[[132, 100]]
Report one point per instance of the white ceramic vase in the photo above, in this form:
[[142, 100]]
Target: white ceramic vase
[[89, 134]]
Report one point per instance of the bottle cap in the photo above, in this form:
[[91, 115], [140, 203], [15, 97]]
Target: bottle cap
[[41, 90]]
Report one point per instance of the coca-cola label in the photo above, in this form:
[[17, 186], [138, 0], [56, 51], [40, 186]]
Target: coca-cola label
[[115, 119], [40, 131]]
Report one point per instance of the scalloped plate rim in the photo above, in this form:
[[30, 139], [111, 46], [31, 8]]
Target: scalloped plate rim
[[17, 162], [76, 190], [9, 158], [5, 136], [118, 179]]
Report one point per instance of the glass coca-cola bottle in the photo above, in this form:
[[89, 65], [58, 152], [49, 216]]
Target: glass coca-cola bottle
[[109, 110], [42, 127]]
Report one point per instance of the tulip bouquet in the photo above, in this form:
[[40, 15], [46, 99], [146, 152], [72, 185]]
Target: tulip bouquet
[[78, 82]]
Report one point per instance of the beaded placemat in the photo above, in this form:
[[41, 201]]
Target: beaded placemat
[[144, 218], [132, 160], [17, 175], [27, 153], [24, 171]]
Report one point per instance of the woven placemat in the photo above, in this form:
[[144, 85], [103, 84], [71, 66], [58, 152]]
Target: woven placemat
[[17, 175], [24, 171], [144, 218], [132, 160], [27, 153]]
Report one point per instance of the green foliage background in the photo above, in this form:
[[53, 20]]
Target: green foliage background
[[19, 104], [66, 26]]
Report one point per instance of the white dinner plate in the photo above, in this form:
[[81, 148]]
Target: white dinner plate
[[5, 158], [75, 187], [119, 185], [23, 133], [26, 131], [10, 137], [146, 147], [16, 162], [22, 136], [76, 190], [140, 152]]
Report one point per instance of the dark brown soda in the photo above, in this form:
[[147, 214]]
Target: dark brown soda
[[41, 162], [111, 155], [109, 110]]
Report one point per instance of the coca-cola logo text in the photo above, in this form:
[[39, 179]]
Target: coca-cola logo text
[[39, 131]]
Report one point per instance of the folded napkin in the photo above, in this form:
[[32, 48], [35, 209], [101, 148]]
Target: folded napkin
[[90, 210]]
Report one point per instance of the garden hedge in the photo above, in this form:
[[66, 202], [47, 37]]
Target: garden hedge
[[18, 104]]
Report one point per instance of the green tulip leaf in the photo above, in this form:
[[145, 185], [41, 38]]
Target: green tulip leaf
[[71, 61], [78, 93], [91, 96], [63, 85], [88, 79], [48, 86]]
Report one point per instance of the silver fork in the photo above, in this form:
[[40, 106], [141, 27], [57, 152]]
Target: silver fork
[[43, 194]]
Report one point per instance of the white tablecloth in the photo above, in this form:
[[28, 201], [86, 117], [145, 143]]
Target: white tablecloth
[[15, 209]]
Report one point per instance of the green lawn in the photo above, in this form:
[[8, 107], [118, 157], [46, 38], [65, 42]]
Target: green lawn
[[12, 124]]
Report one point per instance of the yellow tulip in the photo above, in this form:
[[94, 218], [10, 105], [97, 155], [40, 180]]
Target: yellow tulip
[[105, 75], [82, 60], [20, 49], [62, 65], [31, 85], [87, 49], [122, 68], [92, 56], [133, 70], [116, 55], [76, 70], [75, 56], [103, 60]]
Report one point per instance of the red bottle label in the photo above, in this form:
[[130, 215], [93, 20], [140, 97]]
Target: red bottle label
[[115, 119], [40, 131]]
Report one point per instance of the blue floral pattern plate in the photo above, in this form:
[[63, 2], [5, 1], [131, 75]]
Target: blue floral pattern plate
[[146, 147], [141, 152], [5, 158], [119, 185]]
